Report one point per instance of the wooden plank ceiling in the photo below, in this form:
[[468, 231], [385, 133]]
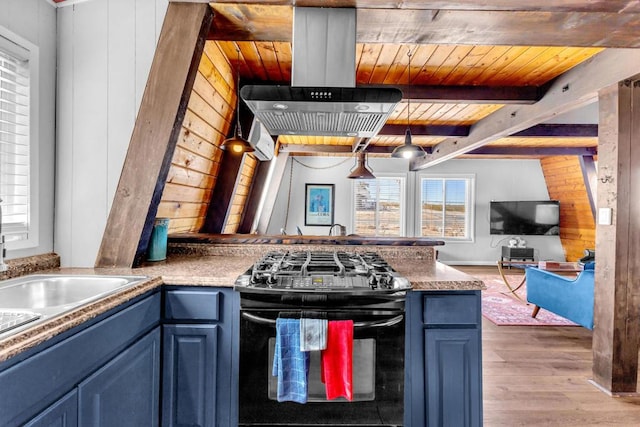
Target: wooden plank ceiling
[[469, 60]]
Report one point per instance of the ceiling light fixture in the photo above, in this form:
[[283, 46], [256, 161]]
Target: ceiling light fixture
[[237, 144], [360, 171], [408, 150]]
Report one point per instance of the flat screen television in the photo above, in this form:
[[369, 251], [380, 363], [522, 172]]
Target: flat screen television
[[531, 218]]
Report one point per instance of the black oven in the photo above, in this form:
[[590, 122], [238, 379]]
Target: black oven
[[378, 360]]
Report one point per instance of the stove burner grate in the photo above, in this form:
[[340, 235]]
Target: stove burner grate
[[321, 271]]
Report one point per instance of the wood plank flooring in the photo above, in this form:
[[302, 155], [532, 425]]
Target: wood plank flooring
[[539, 376]]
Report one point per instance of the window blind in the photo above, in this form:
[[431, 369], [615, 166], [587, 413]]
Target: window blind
[[379, 207], [14, 143], [445, 207]]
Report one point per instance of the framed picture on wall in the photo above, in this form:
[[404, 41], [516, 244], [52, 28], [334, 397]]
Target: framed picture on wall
[[318, 204]]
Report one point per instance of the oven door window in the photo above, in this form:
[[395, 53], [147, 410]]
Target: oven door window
[[364, 373]]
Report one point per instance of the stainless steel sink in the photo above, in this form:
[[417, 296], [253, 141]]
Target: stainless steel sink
[[53, 294], [36, 292]]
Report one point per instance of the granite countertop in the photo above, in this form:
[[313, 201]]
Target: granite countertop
[[435, 276], [205, 270]]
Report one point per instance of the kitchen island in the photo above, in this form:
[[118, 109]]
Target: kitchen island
[[216, 266]]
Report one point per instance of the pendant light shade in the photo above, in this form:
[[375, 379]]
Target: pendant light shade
[[408, 150], [237, 144], [360, 171]]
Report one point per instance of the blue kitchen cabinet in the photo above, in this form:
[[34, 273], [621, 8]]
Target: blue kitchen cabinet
[[125, 391], [63, 413], [49, 384], [200, 357], [443, 374]]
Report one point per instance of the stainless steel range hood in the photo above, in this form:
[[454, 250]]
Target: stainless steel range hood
[[322, 99]]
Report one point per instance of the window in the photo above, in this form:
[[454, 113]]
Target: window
[[15, 78], [446, 207], [379, 207]]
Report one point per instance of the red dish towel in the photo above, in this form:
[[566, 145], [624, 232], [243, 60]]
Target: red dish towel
[[337, 360]]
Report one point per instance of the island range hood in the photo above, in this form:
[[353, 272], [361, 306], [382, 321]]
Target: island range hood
[[322, 99]]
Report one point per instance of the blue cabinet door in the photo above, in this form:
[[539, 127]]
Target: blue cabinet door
[[453, 375], [200, 357], [125, 391], [443, 354], [63, 413], [190, 365]]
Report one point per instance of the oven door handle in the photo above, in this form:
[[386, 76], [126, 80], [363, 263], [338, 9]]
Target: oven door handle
[[366, 324]]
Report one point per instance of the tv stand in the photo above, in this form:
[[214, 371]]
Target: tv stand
[[522, 254]]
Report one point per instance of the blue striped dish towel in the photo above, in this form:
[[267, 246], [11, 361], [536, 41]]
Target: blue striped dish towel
[[290, 365], [313, 334]]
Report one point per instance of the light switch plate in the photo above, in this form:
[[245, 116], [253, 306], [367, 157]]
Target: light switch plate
[[604, 216]]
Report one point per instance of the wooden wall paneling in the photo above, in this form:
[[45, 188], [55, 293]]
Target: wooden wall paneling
[[222, 195], [155, 135], [563, 177], [196, 160], [616, 335], [241, 192], [272, 192], [253, 199]]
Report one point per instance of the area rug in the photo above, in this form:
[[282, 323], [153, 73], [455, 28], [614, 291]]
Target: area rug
[[503, 309]]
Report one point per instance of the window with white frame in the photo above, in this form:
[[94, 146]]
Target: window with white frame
[[446, 207], [379, 206], [15, 84]]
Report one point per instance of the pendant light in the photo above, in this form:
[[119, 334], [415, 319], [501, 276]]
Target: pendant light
[[360, 171], [237, 144], [408, 150]]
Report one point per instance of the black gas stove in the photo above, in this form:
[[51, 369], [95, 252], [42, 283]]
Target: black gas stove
[[322, 271]]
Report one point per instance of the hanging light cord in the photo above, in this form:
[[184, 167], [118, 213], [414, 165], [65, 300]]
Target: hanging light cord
[[409, 91], [238, 128], [320, 167]]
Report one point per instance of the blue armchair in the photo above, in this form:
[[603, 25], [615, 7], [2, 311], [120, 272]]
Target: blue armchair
[[564, 296]]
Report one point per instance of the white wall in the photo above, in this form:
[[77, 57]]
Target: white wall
[[35, 21], [494, 179], [105, 50]]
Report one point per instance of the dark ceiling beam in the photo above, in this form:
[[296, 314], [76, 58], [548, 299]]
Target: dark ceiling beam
[[573, 24], [314, 148], [560, 130], [472, 94], [542, 130], [425, 130], [573, 89], [535, 151], [482, 151], [333, 149]]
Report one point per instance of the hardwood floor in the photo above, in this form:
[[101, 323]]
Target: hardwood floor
[[539, 376]]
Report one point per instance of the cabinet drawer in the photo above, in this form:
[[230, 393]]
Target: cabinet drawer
[[451, 309], [193, 304]]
